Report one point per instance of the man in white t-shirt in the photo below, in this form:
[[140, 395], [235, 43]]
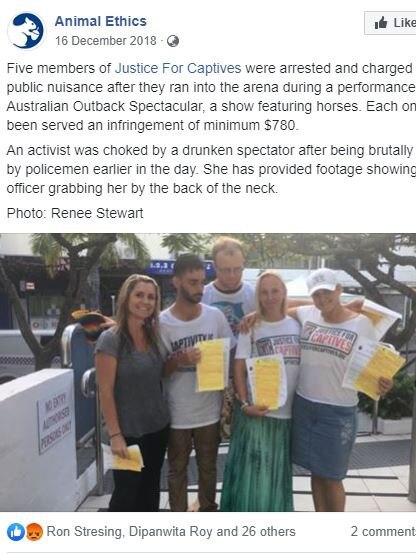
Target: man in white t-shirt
[[234, 297], [228, 292], [194, 415]]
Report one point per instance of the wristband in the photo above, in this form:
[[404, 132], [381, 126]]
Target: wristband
[[244, 405], [115, 435]]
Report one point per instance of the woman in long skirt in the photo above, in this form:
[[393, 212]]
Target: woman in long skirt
[[258, 473]]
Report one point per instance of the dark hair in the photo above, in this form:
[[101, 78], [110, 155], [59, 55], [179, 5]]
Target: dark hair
[[186, 262]]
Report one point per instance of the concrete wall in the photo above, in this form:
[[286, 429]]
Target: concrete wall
[[37, 443]]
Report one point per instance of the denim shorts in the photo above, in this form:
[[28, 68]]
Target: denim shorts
[[322, 437]]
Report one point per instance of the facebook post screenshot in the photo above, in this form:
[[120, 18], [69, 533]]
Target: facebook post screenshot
[[198, 201]]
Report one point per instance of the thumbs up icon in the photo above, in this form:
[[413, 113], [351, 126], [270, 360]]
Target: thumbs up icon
[[15, 532], [382, 24]]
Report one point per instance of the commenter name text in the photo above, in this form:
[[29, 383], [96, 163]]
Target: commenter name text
[[82, 531]]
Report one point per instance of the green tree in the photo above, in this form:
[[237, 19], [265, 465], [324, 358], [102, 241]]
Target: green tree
[[262, 249], [46, 246], [373, 260], [85, 253], [187, 242]]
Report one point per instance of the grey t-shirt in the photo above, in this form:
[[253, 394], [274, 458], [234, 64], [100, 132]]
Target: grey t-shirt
[[138, 393]]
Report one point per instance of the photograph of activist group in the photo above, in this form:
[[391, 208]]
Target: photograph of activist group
[[198, 353]]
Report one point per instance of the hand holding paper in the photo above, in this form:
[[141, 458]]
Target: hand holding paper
[[372, 364], [133, 463]]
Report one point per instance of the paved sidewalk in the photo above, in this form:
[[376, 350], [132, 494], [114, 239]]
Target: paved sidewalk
[[376, 482]]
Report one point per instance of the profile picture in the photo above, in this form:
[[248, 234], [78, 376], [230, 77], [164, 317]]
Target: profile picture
[[25, 30]]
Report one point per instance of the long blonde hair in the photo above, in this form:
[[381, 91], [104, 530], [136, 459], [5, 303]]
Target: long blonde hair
[[266, 273], [151, 324]]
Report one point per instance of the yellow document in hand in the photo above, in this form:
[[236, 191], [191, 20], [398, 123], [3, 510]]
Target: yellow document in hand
[[267, 380], [210, 370], [383, 363], [133, 463]]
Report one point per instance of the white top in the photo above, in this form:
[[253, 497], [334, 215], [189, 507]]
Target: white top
[[327, 349], [233, 305], [188, 408], [273, 338]]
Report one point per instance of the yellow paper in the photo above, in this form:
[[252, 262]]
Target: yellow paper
[[267, 378], [381, 317], [210, 370], [383, 363], [133, 463]]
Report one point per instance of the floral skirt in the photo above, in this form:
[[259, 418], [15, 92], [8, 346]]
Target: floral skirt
[[258, 471]]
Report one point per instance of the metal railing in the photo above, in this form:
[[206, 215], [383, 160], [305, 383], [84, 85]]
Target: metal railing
[[77, 354], [89, 388]]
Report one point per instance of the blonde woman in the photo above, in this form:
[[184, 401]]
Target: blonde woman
[[129, 372], [258, 473]]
